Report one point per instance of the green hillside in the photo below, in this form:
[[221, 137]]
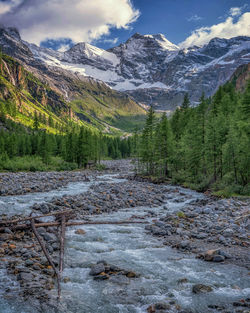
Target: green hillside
[[24, 98]]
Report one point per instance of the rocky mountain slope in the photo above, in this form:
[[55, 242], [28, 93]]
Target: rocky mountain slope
[[89, 100], [241, 76], [149, 68]]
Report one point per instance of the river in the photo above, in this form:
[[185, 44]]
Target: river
[[165, 274]]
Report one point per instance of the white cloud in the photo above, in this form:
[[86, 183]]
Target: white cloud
[[111, 41], [194, 18], [63, 48], [227, 29], [80, 20], [6, 7], [235, 11]]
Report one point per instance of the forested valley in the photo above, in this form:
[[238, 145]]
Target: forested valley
[[203, 147], [34, 149]]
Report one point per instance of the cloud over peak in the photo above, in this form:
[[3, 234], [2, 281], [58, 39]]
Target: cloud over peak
[[227, 29], [79, 20]]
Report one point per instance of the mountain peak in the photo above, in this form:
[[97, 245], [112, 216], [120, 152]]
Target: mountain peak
[[12, 31], [162, 40], [85, 48], [157, 39]]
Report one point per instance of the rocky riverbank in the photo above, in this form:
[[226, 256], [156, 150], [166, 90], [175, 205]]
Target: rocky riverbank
[[33, 277], [212, 229], [208, 224], [28, 182]]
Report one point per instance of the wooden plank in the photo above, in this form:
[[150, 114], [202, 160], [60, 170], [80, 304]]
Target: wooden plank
[[52, 224], [3, 222]]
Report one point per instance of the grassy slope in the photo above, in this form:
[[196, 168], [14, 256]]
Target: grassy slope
[[95, 104], [98, 102]]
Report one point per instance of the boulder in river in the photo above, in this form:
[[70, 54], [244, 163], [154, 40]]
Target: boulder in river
[[102, 270], [80, 232], [97, 269], [215, 255], [200, 288]]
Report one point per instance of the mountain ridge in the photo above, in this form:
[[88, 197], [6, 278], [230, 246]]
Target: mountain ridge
[[148, 68]]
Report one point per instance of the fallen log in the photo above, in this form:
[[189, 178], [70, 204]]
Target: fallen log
[[52, 224], [18, 220], [40, 240], [62, 239]]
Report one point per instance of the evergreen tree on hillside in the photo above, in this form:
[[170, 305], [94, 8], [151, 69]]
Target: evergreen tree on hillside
[[83, 148], [36, 123], [45, 148], [186, 102], [147, 151], [163, 145]]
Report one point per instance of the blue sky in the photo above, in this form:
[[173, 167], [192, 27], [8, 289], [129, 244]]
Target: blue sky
[[59, 24], [176, 19]]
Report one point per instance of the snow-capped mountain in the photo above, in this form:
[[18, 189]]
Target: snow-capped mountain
[[148, 67]]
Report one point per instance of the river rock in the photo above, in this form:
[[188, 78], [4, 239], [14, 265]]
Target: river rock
[[200, 288], [80, 232], [218, 258], [25, 276], [215, 255], [120, 280], [97, 269], [49, 237]]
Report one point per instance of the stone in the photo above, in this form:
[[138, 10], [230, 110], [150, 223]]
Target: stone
[[185, 244], [80, 232], [200, 288], [162, 306], [131, 275], [182, 281], [29, 262], [222, 238], [97, 269], [66, 280], [208, 211], [114, 268], [49, 237], [223, 253], [209, 254], [160, 224], [120, 280], [25, 276], [101, 276], [151, 309], [228, 232], [218, 258], [158, 231], [8, 231], [201, 236]]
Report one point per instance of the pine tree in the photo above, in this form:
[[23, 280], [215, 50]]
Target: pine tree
[[45, 148], [147, 152], [164, 145], [36, 123], [186, 102]]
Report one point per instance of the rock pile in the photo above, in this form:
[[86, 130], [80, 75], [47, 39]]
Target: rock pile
[[102, 271]]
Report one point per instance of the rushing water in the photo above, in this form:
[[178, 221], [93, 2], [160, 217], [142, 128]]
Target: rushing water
[[131, 248]]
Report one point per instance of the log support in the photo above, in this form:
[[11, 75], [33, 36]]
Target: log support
[[61, 222]]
